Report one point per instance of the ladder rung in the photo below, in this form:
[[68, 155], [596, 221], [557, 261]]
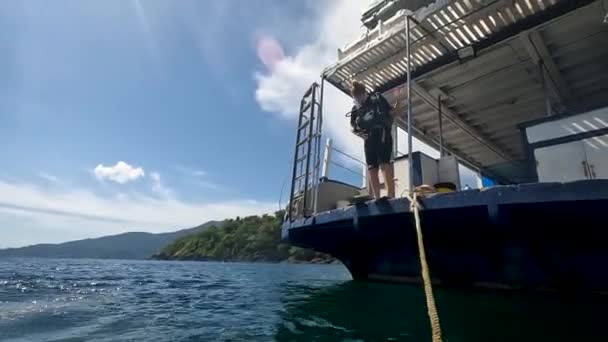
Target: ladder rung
[[305, 108], [309, 91], [303, 141], [299, 177]]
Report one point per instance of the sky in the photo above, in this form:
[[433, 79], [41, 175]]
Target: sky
[[153, 115]]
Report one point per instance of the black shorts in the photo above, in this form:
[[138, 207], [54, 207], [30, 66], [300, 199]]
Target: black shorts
[[378, 148]]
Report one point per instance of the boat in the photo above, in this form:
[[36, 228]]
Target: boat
[[516, 90]]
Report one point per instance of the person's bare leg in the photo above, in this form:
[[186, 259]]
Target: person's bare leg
[[388, 171], [374, 182]]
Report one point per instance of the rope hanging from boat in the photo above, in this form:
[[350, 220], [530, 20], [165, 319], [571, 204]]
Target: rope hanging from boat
[[424, 267]]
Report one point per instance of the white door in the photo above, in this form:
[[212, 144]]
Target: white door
[[597, 156], [561, 163]]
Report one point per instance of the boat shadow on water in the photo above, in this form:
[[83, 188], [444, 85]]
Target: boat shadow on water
[[387, 312]]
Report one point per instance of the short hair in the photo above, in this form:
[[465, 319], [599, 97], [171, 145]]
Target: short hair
[[357, 88]]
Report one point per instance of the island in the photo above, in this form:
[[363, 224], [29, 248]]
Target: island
[[249, 239]]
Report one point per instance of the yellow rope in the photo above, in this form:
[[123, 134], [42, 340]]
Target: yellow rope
[[426, 278]]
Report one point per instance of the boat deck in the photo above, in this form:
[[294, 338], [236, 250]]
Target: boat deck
[[505, 236]]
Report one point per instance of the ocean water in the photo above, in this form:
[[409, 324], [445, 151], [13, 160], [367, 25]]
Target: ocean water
[[113, 300]]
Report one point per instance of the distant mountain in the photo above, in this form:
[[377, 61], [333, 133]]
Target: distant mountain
[[134, 245]]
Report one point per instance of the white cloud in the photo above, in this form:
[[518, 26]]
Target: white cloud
[[280, 89], [119, 173], [191, 172], [50, 178], [158, 186], [76, 213], [209, 185], [199, 178]]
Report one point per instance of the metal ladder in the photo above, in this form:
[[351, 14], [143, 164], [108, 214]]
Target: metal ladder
[[306, 161]]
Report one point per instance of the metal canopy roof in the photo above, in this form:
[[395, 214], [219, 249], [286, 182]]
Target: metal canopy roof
[[485, 98]]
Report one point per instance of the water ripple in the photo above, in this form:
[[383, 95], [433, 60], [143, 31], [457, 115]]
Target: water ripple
[[90, 300]]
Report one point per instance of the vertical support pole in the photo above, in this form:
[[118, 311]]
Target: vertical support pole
[[439, 118], [409, 106], [326, 158], [394, 134], [543, 81]]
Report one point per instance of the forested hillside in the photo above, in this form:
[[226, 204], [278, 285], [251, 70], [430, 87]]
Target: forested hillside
[[253, 238]]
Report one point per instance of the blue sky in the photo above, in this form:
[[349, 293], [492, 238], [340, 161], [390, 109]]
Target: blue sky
[[91, 83], [155, 115], [186, 95]]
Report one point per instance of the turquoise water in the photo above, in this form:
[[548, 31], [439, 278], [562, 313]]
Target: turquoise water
[[94, 300]]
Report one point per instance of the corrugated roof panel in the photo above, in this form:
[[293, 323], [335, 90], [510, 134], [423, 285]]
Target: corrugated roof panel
[[416, 33], [416, 60], [469, 5], [373, 54], [519, 10], [459, 8], [528, 7], [394, 67], [423, 53], [455, 40], [381, 75], [437, 51], [392, 45], [429, 50], [510, 16], [532, 6], [438, 19], [463, 37], [493, 24], [469, 34], [442, 15], [480, 34], [502, 20], [541, 4], [364, 59], [389, 74]]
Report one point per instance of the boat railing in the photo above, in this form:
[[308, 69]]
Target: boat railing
[[354, 166]]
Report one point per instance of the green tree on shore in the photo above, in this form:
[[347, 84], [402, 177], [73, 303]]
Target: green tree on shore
[[252, 238]]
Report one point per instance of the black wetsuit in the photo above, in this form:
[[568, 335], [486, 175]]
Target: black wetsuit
[[379, 140]]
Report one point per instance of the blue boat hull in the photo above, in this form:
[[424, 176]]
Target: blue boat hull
[[536, 236]]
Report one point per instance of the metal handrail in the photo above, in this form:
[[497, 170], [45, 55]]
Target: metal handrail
[[348, 155], [347, 169]]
